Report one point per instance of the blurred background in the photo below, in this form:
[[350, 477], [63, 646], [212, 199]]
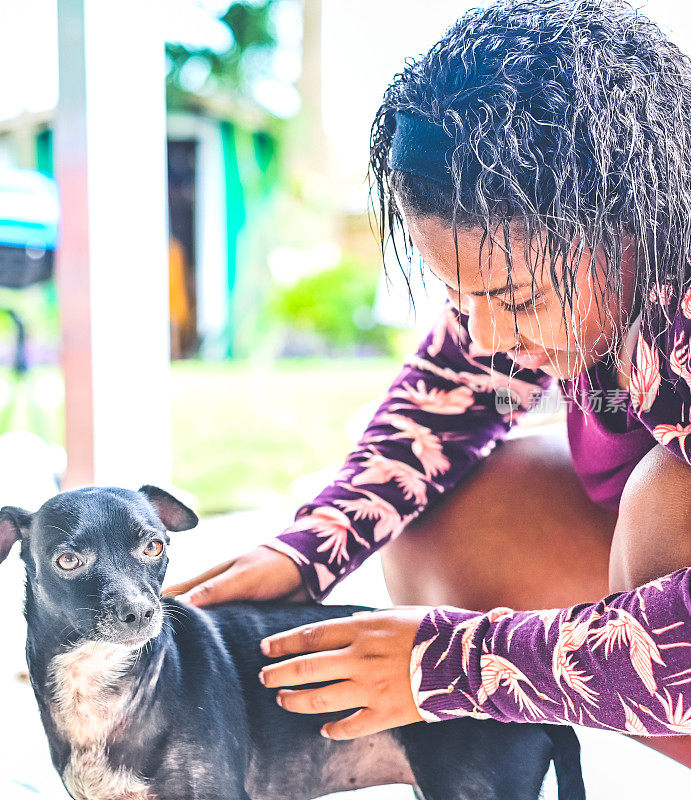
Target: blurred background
[[229, 140], [281, 326], [191, 293]]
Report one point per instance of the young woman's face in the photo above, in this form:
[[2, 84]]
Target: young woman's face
[[543, 340]]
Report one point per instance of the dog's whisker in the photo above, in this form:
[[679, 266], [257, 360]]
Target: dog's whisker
[[176, 611]]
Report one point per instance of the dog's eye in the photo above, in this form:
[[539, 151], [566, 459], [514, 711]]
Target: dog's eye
[[68, 561], [154, 548]]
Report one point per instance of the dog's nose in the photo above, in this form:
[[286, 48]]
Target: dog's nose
[[135, 613]]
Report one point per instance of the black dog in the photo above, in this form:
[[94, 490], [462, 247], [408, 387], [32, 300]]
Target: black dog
[[148, 699]]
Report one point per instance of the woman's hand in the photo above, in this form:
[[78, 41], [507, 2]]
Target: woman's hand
[[261, 574], [368, 655]]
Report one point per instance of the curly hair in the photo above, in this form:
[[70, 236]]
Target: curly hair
[[570, 117]]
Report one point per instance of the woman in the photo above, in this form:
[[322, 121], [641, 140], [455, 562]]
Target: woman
[[539, 160]]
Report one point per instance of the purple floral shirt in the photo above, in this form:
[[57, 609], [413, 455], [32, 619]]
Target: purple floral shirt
[[621, 664]]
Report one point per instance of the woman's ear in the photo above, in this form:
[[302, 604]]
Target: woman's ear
[[14, 522], [174, 515]]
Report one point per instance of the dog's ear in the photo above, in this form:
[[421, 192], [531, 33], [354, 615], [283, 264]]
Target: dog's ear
[[174, 515], [13, 523]]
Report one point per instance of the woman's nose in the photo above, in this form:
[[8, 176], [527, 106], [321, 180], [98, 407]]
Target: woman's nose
[[456, 299], [492, 329]]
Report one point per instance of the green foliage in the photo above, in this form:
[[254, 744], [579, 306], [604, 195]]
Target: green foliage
[[250, 24], [335, 306], [229, 73]]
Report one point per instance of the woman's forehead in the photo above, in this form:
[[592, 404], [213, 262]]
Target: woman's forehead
[[480, 264]]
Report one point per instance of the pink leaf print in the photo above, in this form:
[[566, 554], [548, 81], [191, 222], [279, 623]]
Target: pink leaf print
[[371, 506], [288, 550], [324, 576], [426, 446], [333, 526], [379, 469], [546, 616], [467, 630], [661, 294], [434, 400], [667, 433], [416, 680], [686, 305], [678, 719], [498, 671], [447, 325], [627, 630], [572, 636], [633, 723], [645, 377], [680, 357], [416, 663], [658, 584], [520, 391], [447, 374]]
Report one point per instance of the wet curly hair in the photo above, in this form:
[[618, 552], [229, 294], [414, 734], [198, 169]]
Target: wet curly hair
[[569, 117]]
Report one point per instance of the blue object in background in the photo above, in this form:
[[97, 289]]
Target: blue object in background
[[29, 218], [19, 791]]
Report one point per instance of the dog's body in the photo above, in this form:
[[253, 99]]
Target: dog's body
[[181, 714]]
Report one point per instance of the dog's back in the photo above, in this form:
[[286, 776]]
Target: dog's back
[[287, 756], [454, 760]]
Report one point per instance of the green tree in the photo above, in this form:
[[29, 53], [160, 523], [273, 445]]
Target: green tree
[[229, 74]]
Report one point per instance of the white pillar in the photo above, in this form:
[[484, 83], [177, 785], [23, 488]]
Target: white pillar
[[113, 266]]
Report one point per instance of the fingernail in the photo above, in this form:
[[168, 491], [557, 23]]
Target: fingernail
[[266, 647], [279, 700], [261, 678], [324, 733]]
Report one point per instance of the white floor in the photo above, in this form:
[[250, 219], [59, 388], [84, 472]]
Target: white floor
[[614, 766]]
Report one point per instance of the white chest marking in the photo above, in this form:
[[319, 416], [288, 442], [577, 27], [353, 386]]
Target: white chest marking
[[88, 703]]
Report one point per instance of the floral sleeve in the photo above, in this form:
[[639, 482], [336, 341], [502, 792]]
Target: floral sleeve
[[623, 664], [661, 377], [444, 412]]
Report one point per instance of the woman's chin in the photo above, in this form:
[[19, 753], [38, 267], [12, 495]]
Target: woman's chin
[[561, 371]]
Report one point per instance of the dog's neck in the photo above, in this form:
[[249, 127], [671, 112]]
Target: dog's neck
[[84, 685]]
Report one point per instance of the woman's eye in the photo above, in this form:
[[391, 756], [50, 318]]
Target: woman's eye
[[154, 548], [69, 561], [526, 305]]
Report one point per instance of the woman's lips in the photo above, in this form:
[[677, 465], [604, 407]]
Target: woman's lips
[[529, 360]]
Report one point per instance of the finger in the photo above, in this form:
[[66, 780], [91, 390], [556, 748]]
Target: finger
[[328, 635], [334, 697], [241, 584], [361, 723], [185, 586], [332, 665]]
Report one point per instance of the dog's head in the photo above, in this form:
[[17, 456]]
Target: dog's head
[[95, 559]]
